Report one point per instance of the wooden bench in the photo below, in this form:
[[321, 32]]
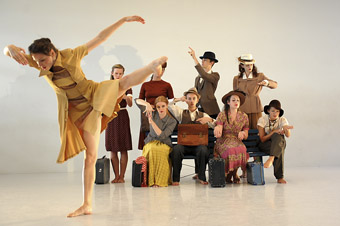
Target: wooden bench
[[252, 143]]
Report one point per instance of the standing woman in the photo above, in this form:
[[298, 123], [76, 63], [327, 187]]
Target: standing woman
[[150, 91], [251, 82], [231, 128], [84, 106], [117, 133], [158, 143]]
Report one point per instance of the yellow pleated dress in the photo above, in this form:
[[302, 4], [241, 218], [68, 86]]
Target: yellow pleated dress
[[80, 101]]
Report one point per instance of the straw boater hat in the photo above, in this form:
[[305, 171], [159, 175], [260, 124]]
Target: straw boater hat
[[209, 55], [192, 90], [275, 104], [240, 94], [246, 59]]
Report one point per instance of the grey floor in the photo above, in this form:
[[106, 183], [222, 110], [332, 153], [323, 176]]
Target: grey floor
[[311, 197]]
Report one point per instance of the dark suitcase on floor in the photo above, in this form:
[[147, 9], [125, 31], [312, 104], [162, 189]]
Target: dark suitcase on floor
[[216, 168], [137, 176], [102, 171], [255, 174]]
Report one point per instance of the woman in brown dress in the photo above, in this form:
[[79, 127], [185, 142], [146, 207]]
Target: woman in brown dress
[[251, 82], [117, 133], [84, 106], [149, 92]]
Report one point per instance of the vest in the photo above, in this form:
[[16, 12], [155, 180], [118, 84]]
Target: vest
[[186, 119]]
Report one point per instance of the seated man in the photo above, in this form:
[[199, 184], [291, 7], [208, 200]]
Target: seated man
[[273, 128], [189, 116]]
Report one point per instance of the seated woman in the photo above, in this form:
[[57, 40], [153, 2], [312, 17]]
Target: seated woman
[[232, 127], [158, 143], [272, 131]]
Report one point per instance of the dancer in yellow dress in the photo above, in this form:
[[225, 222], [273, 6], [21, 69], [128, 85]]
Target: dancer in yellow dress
[[84, 107]]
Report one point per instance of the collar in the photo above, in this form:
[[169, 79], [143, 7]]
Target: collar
[[56, 63], [250, 75], [193, 111]]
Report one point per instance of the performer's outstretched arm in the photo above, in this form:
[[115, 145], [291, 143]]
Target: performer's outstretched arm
[[107, 32]]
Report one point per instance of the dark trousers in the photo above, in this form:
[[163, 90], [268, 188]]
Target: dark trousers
[[275, 147], [202, 157]]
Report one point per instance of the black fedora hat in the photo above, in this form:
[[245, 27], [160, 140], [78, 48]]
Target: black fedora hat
[[238, 93], [275, 104], [209, 55]]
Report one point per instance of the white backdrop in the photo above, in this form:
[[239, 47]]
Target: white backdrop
[[295, 43]]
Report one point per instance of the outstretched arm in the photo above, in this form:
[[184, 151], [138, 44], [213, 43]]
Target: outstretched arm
[[107, 32]]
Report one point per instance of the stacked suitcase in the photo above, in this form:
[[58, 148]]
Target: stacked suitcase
[[255, 175], [139, 175], [102, 170], [216, 168]]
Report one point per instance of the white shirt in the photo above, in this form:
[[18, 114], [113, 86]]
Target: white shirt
[[269, 126]]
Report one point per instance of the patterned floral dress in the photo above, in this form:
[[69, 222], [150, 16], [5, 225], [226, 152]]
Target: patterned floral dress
[[228, 146]]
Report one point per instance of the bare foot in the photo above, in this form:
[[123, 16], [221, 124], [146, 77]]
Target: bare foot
[[195, 177], [269, 162], [228, 178], [156, 65], [281, 181], [121, 180], [175, 183], [155, 186], [236, 180], [115, 180], [83, 210], [244, 174], [203, 182]]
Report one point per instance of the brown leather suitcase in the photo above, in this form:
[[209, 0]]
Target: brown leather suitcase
[[192, 134]]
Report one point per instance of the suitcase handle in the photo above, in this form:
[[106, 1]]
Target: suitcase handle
[[185, 134]]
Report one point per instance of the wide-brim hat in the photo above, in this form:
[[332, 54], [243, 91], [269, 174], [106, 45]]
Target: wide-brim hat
[[192, 90], [238, 93], [246, 59], [275, 104], [209, 55]]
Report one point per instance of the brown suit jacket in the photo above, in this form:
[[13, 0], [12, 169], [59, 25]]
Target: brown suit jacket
[[250, 86], [207, 90]]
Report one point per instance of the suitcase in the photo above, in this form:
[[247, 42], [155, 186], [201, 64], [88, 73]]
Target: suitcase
[[136, 174], [216, 168], [255, 175], [139, 175], [192, 134], [102, 170]]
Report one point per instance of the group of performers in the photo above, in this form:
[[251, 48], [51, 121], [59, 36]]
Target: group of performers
[[86, 108]]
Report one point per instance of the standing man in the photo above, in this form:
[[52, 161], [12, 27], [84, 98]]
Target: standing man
[[206, 83], [190, 116]]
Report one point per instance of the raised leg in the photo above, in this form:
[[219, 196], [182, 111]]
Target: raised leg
[[139, 76]]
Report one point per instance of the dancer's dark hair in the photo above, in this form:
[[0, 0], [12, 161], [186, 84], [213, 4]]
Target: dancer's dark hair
[[43, 46]]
